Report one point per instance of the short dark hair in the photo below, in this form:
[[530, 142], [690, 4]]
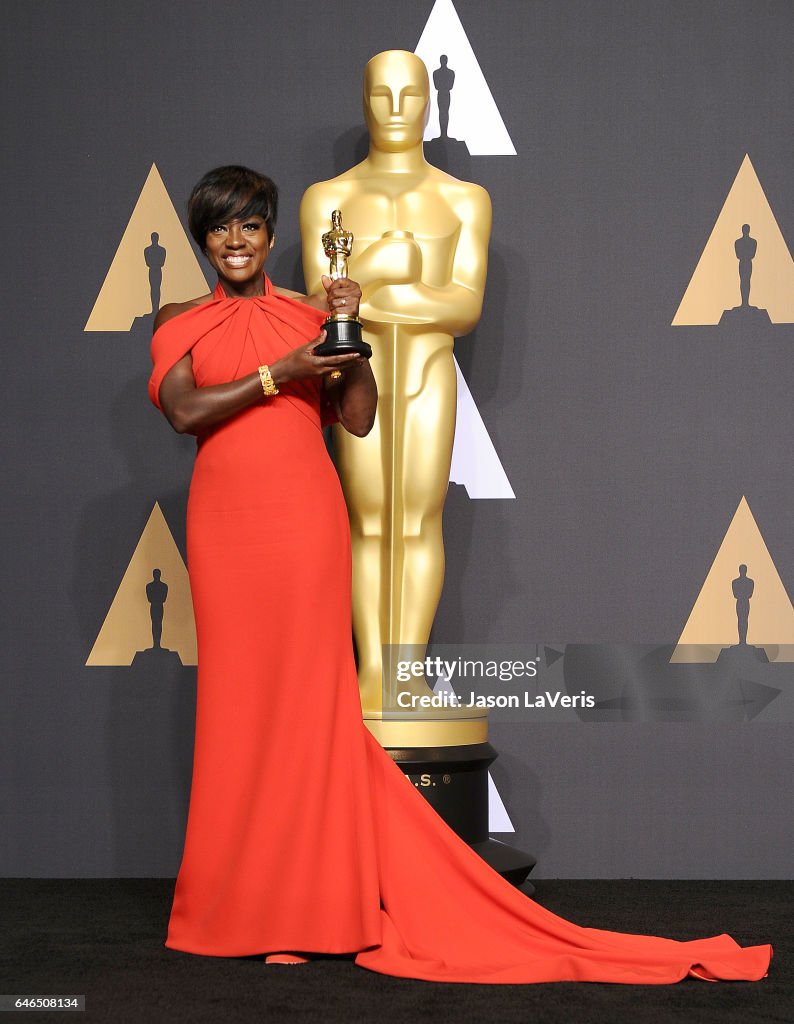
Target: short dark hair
[[231, 193]]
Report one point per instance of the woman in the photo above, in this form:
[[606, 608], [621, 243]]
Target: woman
[[303, 836]]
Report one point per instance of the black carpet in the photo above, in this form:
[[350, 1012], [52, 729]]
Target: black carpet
[[103, 938]]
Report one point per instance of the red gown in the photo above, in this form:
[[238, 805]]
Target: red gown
[[302, 833]]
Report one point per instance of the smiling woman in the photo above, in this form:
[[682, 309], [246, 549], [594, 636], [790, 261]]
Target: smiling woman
[[268, 545], [303, 836], [231, 215]]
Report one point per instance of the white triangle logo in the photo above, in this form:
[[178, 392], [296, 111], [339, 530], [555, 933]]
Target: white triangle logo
[[475, 464], [498, 818], [474, 117]]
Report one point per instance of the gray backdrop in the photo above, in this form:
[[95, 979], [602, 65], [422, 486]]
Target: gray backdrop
[[628, 442]]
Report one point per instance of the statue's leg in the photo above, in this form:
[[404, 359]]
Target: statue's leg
[[364, 465], [744, 283], [744, 618], [422, 461], [443, 115], [157, 626]]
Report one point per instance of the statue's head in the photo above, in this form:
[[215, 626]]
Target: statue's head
[[745, 229], [396, 100], [155, 238], [156, 574], [742, 570]]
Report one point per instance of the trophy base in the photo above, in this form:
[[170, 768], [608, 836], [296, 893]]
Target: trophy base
[[343, 336]]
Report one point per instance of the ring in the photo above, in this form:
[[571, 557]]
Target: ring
[[336, 375], [342, 302]]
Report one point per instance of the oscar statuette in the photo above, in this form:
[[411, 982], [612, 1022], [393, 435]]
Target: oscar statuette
[[343, 331]]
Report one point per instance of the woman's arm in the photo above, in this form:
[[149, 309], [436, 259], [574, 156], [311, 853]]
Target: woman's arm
[[191, 409], [340, 296], [355, 397]]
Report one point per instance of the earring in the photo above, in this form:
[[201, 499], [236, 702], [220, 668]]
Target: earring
[[272, 241]]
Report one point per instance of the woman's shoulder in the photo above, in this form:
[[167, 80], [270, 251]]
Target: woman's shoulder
[[172, 309], [316, 301], [288, 293]]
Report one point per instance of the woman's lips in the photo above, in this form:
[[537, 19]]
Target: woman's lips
[[237, 261]]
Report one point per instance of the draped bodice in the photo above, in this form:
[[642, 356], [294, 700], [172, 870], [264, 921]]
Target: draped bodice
[[229, 338]]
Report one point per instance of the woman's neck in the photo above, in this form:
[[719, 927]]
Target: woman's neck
[[248, 290]]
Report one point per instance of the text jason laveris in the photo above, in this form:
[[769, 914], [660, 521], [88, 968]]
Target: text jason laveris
[[497, 700]]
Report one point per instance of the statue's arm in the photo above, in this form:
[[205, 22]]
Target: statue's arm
[[390, 270], [385, 261], [454, 307]]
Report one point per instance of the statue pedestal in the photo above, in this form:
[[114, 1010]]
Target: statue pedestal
[[746, 315], [156, 657], [453, 778], [743, 655]]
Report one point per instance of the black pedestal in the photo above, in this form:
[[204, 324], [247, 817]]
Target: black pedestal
[[454, 781], [343, 337]]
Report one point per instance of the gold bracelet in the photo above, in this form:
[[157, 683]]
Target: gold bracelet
[[268, 384]]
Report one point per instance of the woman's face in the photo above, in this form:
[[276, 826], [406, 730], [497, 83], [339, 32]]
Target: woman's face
[[238, 250]]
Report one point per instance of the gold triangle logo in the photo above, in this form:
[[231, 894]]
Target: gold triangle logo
[[745, 272], [726, 597], [154, 263], [130, 627]]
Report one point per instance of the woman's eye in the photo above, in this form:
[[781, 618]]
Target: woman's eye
[[250, 227], [217, 228]]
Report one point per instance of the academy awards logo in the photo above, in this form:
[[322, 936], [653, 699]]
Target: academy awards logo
[[464, 120], [745, 274], [734, 660], [150, 620], [153, 265], [742, 612], [462, 110], [475, 464]]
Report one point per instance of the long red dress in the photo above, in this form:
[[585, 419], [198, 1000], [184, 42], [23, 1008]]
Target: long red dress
[[302, 833]]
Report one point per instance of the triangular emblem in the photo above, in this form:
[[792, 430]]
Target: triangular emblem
[[154, 264], [473, 116], [475, 464], [745, 228], [713, 623], [498, 818], [130, 624]]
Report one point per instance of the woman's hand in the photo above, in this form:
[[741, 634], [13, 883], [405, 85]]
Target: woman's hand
[[342, 295], [301, 362]]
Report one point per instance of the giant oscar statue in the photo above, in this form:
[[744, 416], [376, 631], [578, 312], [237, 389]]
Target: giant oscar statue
[[420, 254]]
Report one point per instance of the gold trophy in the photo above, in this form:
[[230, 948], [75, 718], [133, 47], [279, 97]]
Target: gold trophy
[[342, 330], [421, 257], [421, 260]]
